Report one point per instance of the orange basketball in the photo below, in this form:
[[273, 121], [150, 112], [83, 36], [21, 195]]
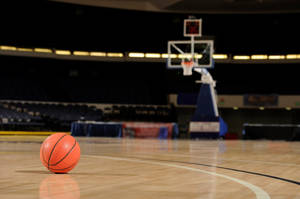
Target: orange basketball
[[60, 153]]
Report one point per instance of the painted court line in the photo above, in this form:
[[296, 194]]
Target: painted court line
[[225, 159], [235, 160], [260, 193]]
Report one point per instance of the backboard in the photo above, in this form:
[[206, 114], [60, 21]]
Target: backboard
[[193, 53], [198, 51]]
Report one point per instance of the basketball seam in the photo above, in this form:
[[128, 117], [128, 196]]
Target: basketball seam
[[54, 148], [65, 155], [65, 168]]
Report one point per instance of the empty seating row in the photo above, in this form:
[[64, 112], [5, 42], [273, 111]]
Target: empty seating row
[[8, 115], [54, 116]]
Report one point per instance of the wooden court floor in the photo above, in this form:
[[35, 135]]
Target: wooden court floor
[[157, 169]]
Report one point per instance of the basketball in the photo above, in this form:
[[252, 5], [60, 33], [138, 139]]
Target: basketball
[[60, 153]]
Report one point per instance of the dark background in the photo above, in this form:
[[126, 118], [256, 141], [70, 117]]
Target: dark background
[[74, 27], [58, 25]]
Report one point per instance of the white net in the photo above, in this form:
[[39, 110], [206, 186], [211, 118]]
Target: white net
[[187, 67]]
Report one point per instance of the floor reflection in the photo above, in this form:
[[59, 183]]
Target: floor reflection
[[59, 186]]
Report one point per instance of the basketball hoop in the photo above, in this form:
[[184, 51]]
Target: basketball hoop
[[187, 67]]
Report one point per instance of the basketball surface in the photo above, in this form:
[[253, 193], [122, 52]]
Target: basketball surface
[[60, 153]]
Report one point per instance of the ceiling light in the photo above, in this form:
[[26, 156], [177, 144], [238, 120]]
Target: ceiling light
[[168, 55], [184, 56], [291, 56], [115, 54], [98, 54], [139, 55], [259, 57], [7, 48], [241, 57], [276, 57], [42, 50], [24, 49], [81, 53], [152, 55], [62, 52], [220, 56]]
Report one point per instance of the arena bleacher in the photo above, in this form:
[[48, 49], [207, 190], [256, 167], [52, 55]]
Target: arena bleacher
[[45, 116]]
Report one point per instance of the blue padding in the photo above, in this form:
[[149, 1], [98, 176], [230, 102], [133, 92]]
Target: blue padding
[[163, 133], [77, 129], [96, 129], [205, 108], [223, 127], [175, 130]]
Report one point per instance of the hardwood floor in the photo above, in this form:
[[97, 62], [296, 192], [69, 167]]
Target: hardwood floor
[[141, 168]]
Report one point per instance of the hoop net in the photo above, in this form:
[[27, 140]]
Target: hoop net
[[187, 67]]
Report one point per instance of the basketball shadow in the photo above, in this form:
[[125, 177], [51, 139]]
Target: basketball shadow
[[102, 174], [33, 171], [49, 172]]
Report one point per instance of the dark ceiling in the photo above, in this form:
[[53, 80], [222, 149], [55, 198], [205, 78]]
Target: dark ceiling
[[198, 6], [53, 24], [60, 25]]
